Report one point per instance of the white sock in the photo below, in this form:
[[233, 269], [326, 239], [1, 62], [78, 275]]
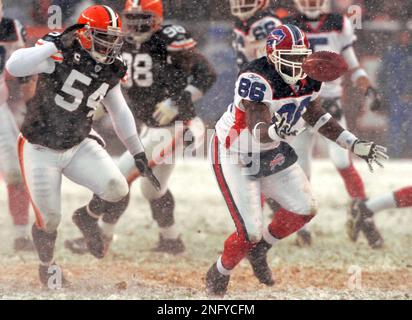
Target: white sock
[[169, 232], [268, 237], [386, 201], [107, 228], [221, 268], [21, 231]]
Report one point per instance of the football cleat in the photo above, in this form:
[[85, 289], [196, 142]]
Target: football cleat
[[257, 257], [52, 277], [354, 222], [361, 220], [216, 283], [91, 232], [170, 246], [369, 228], [303, 238], [79, 245], [23, 244]]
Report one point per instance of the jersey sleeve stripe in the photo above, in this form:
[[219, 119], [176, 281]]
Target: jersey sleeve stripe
[[175, 46]]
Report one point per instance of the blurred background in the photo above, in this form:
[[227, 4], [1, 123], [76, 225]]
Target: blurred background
[[383, 46]]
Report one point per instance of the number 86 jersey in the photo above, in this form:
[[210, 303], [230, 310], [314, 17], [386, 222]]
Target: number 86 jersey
[[259, 82]]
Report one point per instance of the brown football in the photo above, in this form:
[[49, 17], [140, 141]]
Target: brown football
[[325, 66]]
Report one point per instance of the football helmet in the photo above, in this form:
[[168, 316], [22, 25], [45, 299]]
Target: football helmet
[[102, 36], [312, 8], [142, 18], [245, 9], [287, 47]]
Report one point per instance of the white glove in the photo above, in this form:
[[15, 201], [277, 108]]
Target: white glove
[[281, 128], [370, 152], [197, 128], [166, 112]]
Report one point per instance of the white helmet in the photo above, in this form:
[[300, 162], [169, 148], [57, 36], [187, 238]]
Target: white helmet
[[312, 8], [246, 9]]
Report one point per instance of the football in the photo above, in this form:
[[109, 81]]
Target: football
[[325, 66]]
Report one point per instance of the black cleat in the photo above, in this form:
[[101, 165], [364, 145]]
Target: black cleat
[[52, 277], [257, 257], [303, 238], [79, 245], [23, 244], [369, 228], [170, 246], [354, 222], [361, 220], [216, 283], [91, 232]]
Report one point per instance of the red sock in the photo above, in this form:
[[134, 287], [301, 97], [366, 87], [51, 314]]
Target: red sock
[[19, 202], [285, 223], [236, 248], [403, 197], [262, 200], [353, 182]]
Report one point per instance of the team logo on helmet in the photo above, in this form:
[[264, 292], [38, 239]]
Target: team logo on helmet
[[276, 36]]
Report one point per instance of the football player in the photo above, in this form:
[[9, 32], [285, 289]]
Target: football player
[[12, 38], [166, 76], [77, 69], [363, 210], [251, 155], [334, 32], [253, 23]]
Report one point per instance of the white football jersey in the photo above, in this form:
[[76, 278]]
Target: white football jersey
[[250, 36], [261, 83]]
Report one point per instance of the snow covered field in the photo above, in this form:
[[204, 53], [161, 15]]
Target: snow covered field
[[132, 271]]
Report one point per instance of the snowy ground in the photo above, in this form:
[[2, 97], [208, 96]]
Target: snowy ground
[[132, 271]]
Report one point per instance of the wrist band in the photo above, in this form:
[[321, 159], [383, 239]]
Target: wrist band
[[346, 139], [322, 121]]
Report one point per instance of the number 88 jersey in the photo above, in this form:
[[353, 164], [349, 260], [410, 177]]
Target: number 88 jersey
[[259, 82], [152, 74]]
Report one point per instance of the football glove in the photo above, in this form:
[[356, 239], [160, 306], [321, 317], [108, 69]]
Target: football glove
[[166, 112], [281, 128], [142, 165], [373, 100], [370, 152], [66, 38]]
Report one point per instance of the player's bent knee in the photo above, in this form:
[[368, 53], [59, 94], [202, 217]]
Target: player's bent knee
[[116, 189], [150, 193]]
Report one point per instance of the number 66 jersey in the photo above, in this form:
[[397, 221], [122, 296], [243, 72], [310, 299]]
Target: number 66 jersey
[[259, 82]]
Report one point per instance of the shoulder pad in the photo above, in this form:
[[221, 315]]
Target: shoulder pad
[[177, 38], [50, 37]]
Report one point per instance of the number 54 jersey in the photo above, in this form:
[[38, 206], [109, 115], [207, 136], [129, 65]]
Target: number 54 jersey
[[259, 82], [61, 113]]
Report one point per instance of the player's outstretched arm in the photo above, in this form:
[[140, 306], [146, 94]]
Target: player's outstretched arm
[[125, 128], [31, 61], [317, 117]]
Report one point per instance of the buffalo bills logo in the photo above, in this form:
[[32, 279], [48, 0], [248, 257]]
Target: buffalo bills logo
[[277, 161], [276, 36]]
